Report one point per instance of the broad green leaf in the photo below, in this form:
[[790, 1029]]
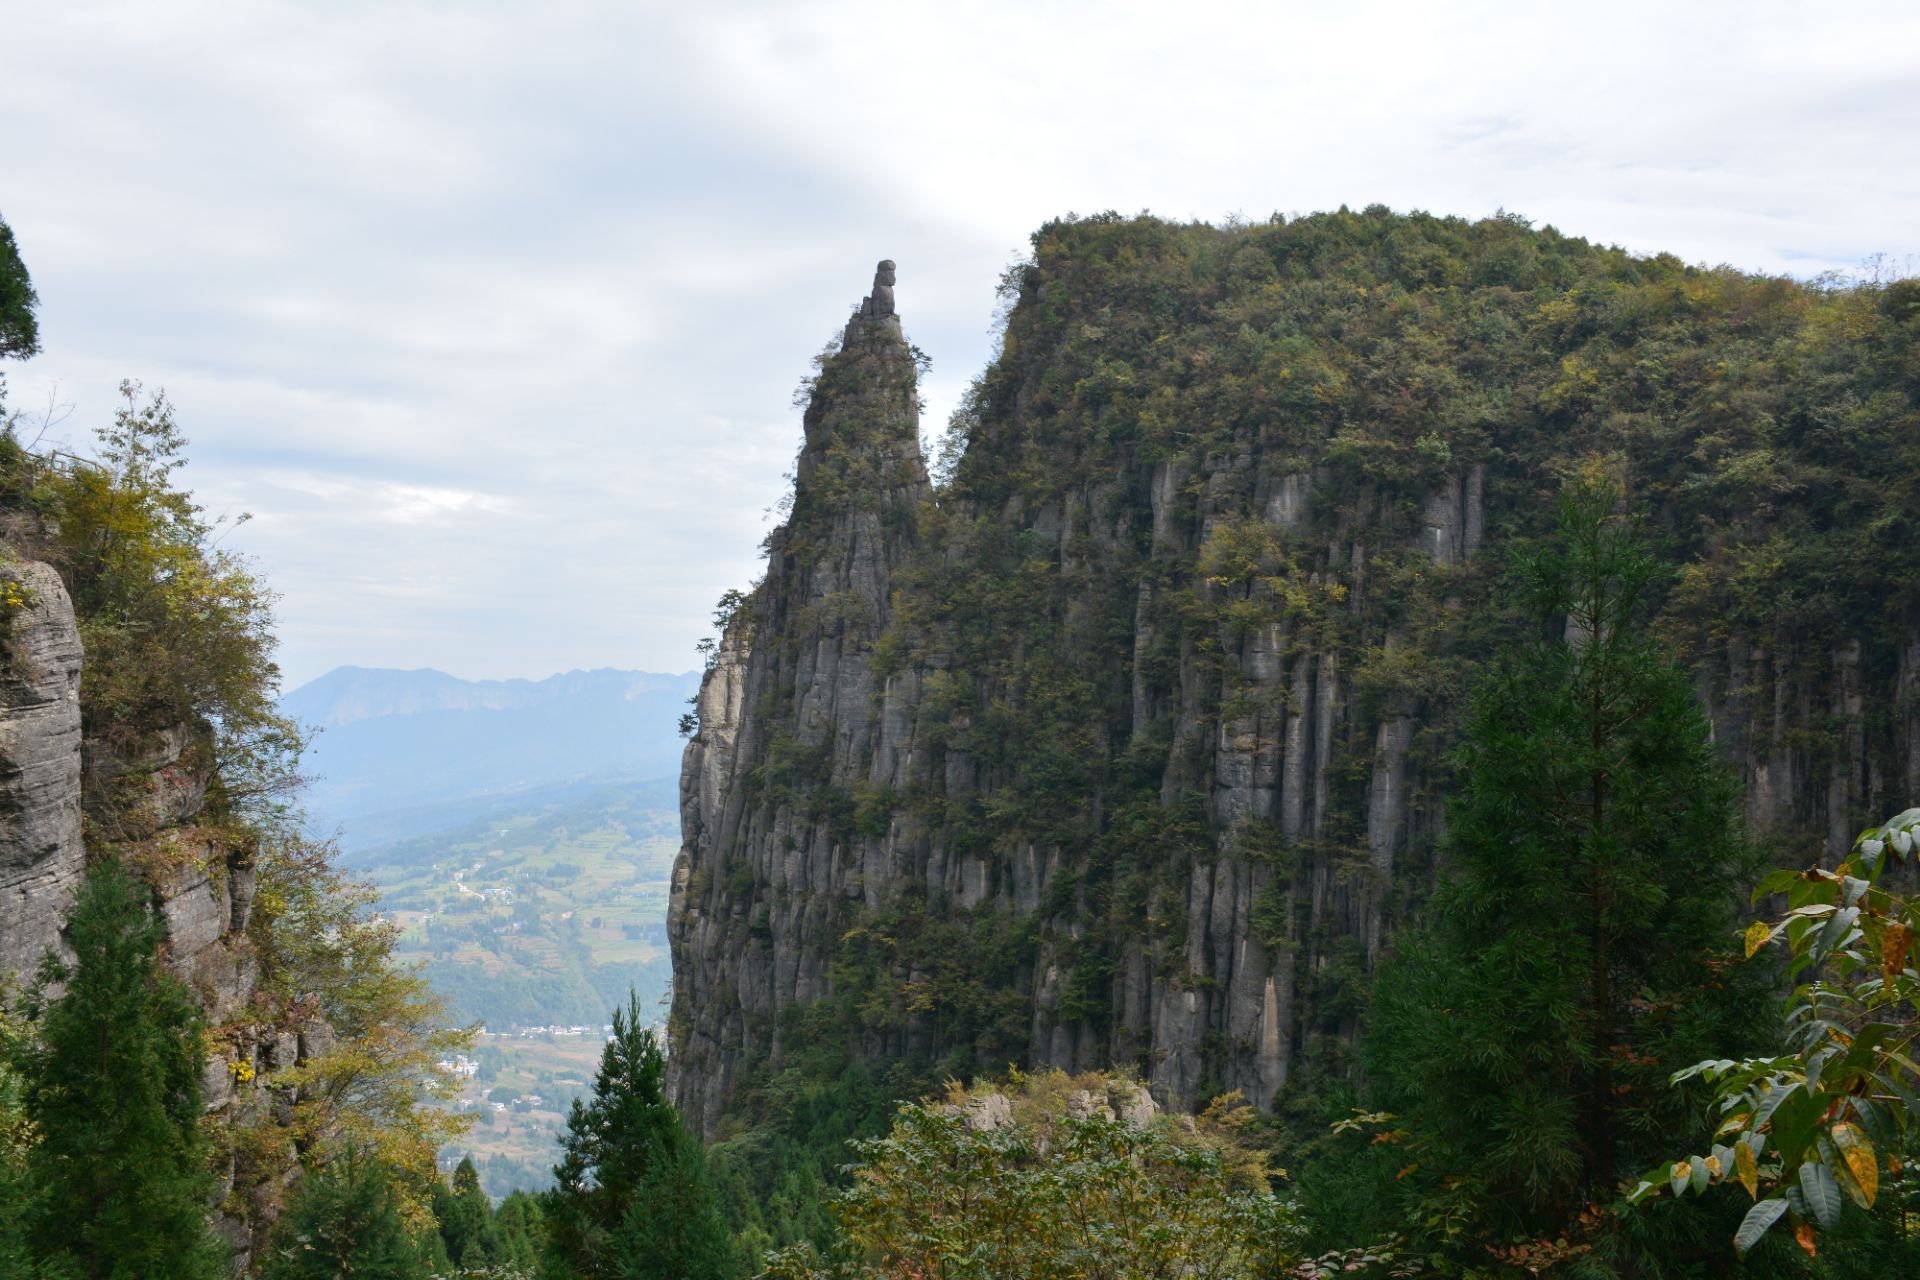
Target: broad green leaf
[[1860, 1161], [1871, 852], [1822, 1193], [1771, 1103], [1755, 1224], [1837, 929], [1702, 1174]]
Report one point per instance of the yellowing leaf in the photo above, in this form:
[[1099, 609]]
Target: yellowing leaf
[[1894, 947], [1757, 933], [1861, 1161], [1746, 1169]]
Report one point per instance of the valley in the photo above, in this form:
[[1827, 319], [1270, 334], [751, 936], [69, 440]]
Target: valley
[[534, 923]]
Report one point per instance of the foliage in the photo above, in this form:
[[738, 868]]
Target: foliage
[[475, 1237], [17, 1139], [1057, 1176], [773, 1176], [329, 957], [345, 1221], [1525, 1034], [177, 630], [631, 1197], [118, 1179], [1828, 1122]]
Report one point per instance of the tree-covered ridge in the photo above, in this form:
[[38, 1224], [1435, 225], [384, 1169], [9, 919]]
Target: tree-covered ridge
[[1178, 649]]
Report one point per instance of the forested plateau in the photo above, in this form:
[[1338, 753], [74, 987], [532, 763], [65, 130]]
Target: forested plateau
[[1122, 734]]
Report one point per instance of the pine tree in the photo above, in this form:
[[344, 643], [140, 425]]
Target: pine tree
[[1581, 948], [120, 1170], [518, 1220], [466, 1220], [19, 330], [632, 1198], [345, 1222]]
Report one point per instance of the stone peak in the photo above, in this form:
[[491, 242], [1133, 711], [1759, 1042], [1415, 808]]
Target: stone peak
[[874, 319]]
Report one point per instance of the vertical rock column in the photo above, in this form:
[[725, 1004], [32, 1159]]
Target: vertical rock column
[[793, 696]]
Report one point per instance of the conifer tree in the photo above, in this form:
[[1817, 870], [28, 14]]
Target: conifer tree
[[518, 1220], [466, 1219], [19, 329], [1580, 949], [119, 1173], [345, 1222], [632, 1199]]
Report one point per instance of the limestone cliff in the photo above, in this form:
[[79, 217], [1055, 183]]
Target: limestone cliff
[[140, 796], [41, 855], [1128, 745]]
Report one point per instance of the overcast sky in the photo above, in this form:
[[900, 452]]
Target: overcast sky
[[491, 313]]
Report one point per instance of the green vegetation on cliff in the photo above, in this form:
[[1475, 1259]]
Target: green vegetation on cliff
[[1142, 756]]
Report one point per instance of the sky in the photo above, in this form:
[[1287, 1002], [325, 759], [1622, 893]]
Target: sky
[[491, 314]]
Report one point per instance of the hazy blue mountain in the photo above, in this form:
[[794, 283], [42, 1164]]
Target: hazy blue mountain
[[403, 752]]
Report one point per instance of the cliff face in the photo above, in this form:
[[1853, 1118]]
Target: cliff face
[[41, 856], [142, 798], [1129, 745]]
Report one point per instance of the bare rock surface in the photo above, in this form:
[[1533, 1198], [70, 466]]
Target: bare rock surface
[[41, 855]]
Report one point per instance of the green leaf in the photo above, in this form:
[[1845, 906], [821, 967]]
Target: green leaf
[[1837, 929], [1771, 1103], [1755, 1224], [1702, 1175], [1822, 1193]]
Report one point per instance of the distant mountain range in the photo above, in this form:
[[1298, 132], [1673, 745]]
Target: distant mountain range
[[401, 752]]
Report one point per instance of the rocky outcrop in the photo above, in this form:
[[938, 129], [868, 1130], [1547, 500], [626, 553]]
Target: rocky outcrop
[[41, 855], [140, 795], [1111, 754]]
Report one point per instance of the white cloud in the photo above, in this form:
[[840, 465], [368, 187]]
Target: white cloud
[[491, 312]]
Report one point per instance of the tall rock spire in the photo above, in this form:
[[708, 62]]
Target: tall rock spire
[[795, 678], [873, 320]]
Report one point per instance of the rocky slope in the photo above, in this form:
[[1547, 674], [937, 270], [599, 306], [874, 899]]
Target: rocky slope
[[1128, 744]]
